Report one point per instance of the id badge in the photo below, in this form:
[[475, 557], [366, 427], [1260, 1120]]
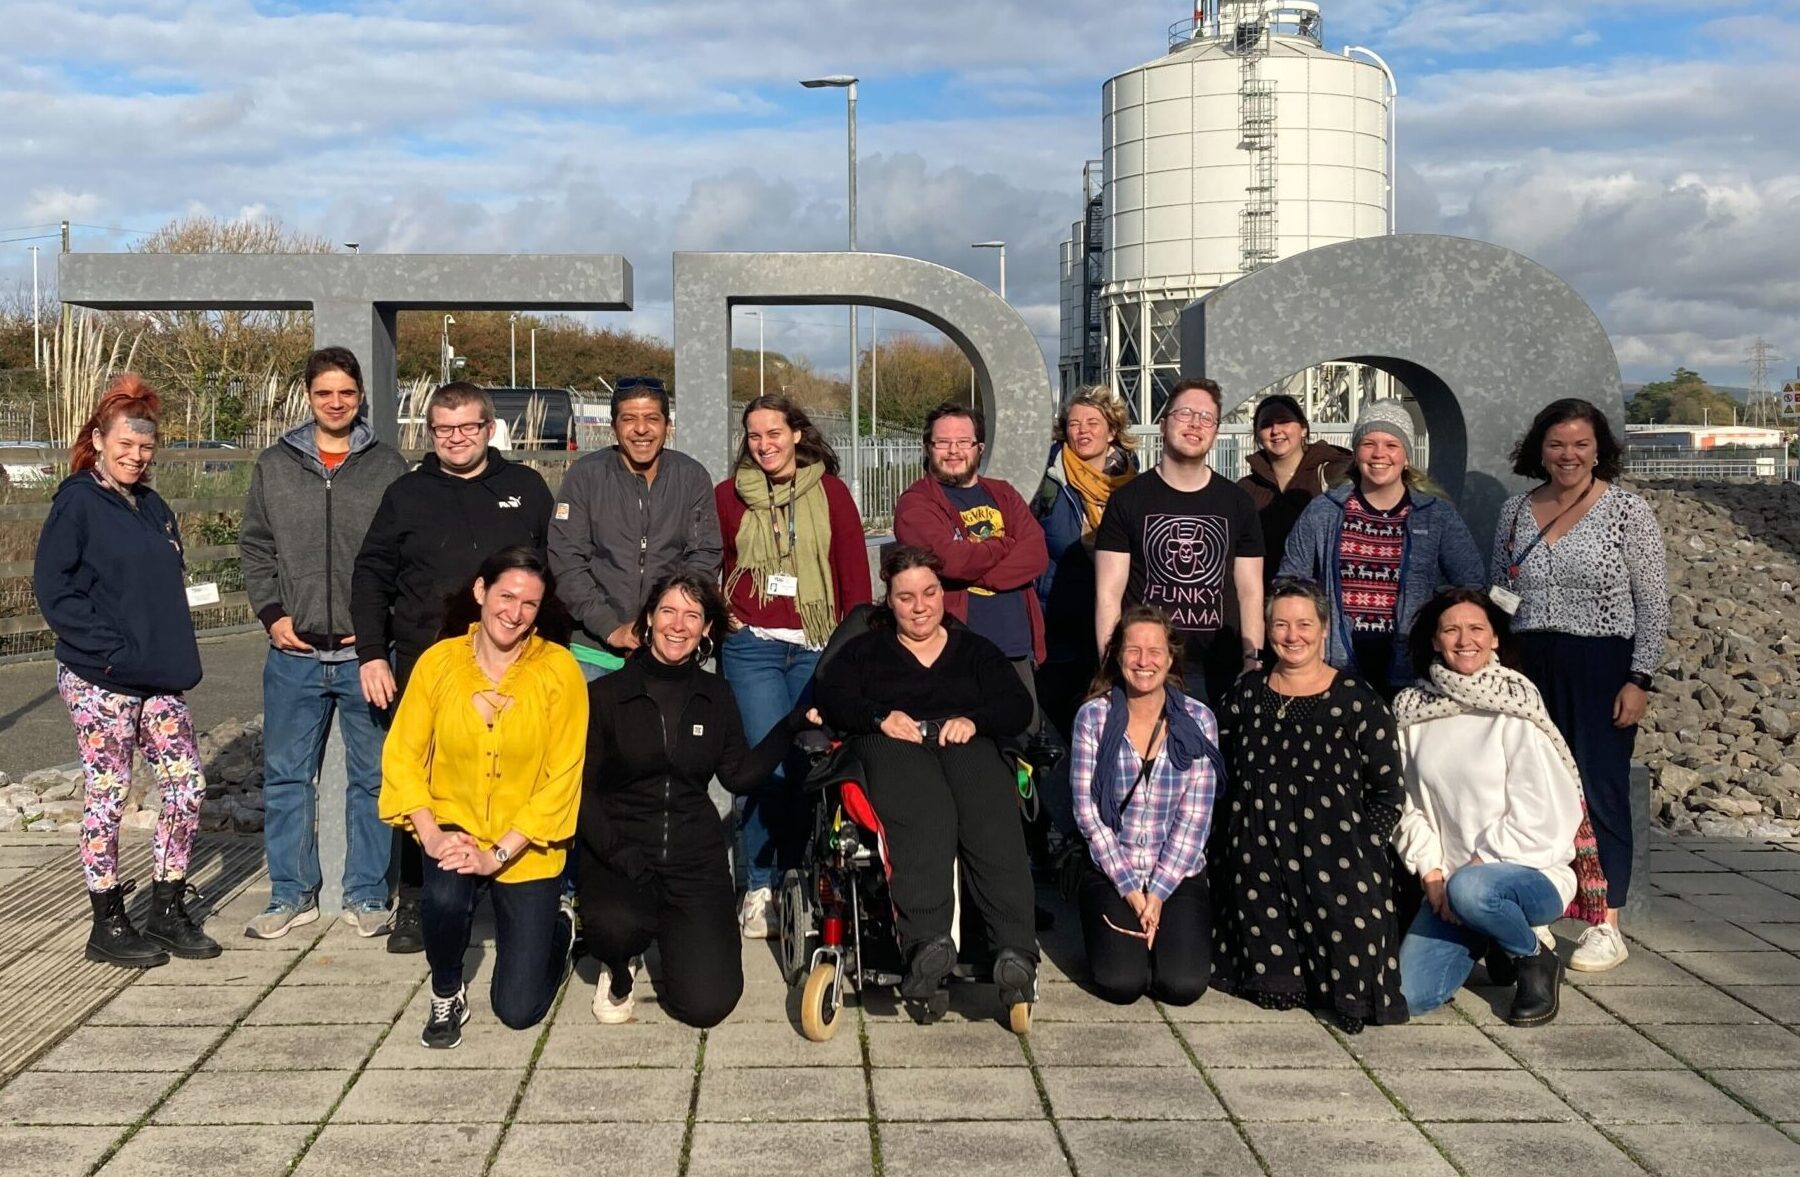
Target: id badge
[[1503, 597], [205, 593], [782, 584]]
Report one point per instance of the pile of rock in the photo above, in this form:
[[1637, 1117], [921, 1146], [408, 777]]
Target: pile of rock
[[50, 800], [1719, 736]]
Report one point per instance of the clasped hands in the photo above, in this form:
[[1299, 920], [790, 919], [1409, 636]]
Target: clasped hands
[[456, 851], [1148, 909], [901, 726]]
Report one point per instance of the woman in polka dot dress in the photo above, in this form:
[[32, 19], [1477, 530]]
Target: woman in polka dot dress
[[1304, 911]]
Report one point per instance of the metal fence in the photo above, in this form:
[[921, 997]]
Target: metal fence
[[1771, 465]]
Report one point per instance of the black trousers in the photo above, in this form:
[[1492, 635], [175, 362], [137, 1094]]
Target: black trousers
[[1176, 970], [531, 949], [1579, 678], [692, 919], [938, 805]]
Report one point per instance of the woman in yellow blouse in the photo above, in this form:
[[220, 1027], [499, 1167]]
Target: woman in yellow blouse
[[483, 766]]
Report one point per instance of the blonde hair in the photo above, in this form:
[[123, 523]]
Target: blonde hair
[[1100, 398]]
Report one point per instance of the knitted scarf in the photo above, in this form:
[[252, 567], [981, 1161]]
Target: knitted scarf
[[1094, 487], [1182, 745], [763, 543], [1507, 692]]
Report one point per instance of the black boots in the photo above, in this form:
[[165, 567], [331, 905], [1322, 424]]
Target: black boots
[[931, 962], [1535, 1000], [170, 925], [114, 940]]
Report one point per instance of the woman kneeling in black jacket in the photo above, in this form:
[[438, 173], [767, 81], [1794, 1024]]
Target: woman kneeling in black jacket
[[653, 851]]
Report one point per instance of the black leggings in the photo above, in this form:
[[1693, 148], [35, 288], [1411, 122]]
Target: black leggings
[[692, 919], [1176, 970], [938, 805], [531, 940]]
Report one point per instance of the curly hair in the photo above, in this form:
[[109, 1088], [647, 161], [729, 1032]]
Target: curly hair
[[127, 398], [1099, 398], [1528, 455]]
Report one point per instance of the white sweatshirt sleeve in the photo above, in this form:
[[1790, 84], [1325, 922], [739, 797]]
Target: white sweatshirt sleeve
[[1543, 804], [1416, 837]]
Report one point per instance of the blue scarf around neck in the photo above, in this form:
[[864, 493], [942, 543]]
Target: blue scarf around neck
[[1184, 743]]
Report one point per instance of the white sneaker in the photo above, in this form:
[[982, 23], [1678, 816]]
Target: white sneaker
[[753, 916], [610, 1010], [1600, 948]]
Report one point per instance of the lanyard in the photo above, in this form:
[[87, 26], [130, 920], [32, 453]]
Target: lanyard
[[792, 538], [1146, 768], [1512, 535]]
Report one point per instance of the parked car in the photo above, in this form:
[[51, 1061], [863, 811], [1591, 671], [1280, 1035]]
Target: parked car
[[20, 464], [513, 408], [207, 467]]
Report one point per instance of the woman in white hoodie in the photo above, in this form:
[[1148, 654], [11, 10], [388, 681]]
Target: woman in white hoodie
[[1492, 807]]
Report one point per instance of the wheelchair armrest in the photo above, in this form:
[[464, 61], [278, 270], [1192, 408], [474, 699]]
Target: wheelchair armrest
[[814, 743]]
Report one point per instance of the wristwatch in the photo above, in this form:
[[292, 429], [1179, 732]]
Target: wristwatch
[[500, 854]]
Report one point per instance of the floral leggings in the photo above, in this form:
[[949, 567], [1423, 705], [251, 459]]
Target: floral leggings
[[109, 728]]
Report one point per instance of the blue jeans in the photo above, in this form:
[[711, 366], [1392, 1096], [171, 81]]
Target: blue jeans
[[769, 679], [1497, 903], [300, 696]]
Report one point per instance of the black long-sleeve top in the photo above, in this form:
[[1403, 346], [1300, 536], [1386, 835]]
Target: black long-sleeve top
[[874, 674], [657, 735]]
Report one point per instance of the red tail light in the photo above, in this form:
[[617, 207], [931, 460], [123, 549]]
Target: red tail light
[[572, 446]]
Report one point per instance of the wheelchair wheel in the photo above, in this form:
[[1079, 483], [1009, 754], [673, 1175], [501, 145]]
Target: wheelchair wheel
[[796, 926], [1019, 1017], [818, 1004]]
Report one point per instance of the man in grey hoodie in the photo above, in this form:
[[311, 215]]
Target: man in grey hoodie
[[312, 496]]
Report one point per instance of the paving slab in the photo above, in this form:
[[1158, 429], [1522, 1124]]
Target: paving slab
[[332, 1005], [1128, 1093], [1462, 1048], [131, 1048], [618, 1094], [1153, 1149], [971, 1150], [1741, 1150], [1583, 1048], [202, 1005], [1647, 1097], [902, 1044], [1763, 905], [1705, 1047], [955, 1093], [1741, 968], [295, 1048], [1306, 1045], [1337, 1096], [1776, 1094], [190, 1149], [1533, 1148], [251, 969], [362, 968], [1114, 1044], [1711, 936], [778, 1044], [1780, 1003], [1642, 967], [746, 1095], [592, 1150], [254, 1097], [1347, 1150], [1223, 1007], [359, 1150], [54, 1152], [1477, 1096], [759, 1150], [1647, 1005], [427, 1097], [1063, 1001], [77, 1098], [1783, 936]]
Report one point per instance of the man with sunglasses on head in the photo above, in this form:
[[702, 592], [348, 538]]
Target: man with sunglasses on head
[[1189, 542], [991, 545], [435, 526], [626, 517]]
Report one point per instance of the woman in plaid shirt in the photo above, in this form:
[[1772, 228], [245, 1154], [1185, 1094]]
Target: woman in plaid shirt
[[1144, 770]]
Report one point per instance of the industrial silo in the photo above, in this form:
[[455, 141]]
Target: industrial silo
[[1245, 142]]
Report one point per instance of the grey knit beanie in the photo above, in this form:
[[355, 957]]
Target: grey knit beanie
[[1389, 417]]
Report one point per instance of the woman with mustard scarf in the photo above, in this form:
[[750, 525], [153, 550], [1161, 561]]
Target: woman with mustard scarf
[[1092, 456], [795, 564]]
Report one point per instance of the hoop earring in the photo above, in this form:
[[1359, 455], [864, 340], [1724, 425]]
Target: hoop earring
[[706, 647]]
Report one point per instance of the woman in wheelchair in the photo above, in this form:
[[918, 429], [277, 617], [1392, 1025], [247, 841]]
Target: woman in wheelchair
[[921, 703], [1144, 771], [652, 845]]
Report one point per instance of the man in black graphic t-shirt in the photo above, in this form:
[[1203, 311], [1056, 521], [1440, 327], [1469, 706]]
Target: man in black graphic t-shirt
[[1187, 541]]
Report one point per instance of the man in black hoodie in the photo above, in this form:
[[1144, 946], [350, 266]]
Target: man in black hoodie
[[433, 529]]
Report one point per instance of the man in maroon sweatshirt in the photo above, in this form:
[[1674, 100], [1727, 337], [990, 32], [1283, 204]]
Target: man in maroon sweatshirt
[[992, 548]]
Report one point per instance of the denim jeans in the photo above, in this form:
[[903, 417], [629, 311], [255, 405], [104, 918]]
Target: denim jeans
[[300, 696], [1496, 902], [770, 679], [531, 942]]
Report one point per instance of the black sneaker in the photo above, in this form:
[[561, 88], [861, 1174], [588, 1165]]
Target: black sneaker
[[408, 934], [443, 1031]]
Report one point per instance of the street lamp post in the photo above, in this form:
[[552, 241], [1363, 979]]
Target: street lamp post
[[512, 328], [847, 83], [444, 351], [1001, 247], [534, 332], [37, 343], [760, 383]]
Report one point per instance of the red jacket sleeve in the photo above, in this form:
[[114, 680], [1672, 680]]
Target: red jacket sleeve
[[849, 554], [923, 519], [1026, 555]]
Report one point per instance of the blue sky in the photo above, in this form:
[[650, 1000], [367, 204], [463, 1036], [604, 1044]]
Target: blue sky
[[1635, 148]]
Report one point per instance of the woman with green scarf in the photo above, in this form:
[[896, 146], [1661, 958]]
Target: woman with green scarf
[[795, 564]]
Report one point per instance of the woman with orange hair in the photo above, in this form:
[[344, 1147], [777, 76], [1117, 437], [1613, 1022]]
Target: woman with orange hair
[[109, 578]]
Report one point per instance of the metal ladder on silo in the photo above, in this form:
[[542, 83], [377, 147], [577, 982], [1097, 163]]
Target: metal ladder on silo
[[1256, 135]]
